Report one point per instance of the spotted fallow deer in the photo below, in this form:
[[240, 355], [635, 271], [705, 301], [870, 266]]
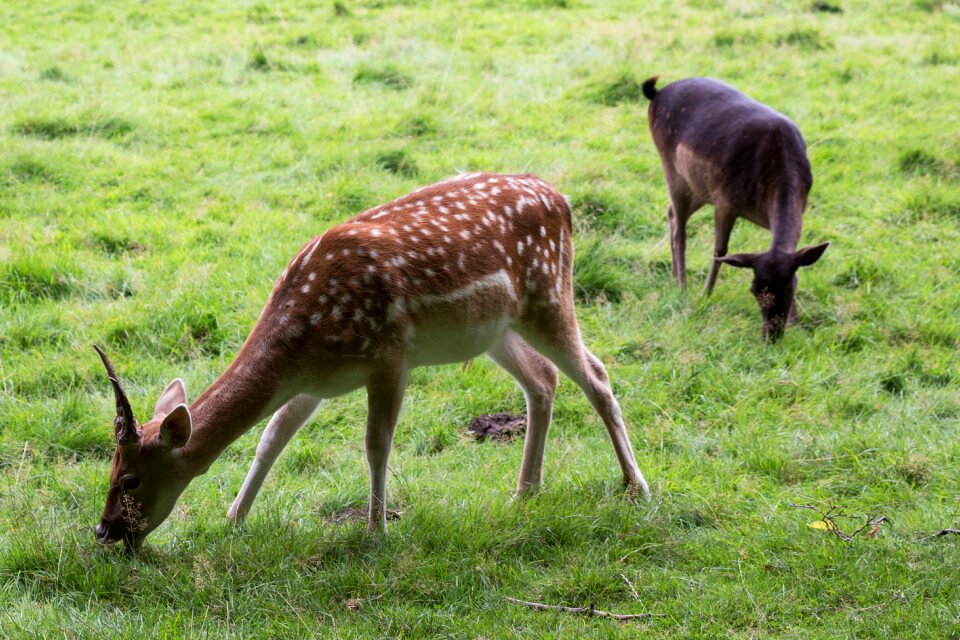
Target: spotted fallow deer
[[479, 263], [717, 146]]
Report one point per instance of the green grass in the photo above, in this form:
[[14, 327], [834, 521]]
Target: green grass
[[159, 163]]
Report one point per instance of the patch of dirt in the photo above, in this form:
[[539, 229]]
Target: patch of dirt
[[359, 514], [502, 427]]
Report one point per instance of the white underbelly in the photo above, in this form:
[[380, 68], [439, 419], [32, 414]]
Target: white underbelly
[[343, 380], [439, 343]]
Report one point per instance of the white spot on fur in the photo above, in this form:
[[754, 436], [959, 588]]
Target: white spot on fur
[[295, 330], [394, 309]]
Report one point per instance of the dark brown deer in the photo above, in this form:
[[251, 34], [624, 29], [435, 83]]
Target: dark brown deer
[[480, 263], [720, 147]]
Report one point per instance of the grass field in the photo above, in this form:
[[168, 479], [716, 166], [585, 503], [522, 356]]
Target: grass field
[[160, 162]]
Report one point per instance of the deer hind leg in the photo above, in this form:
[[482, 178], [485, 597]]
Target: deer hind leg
[[537, 377], [384, 397], [679, 212], [723, 220], [565, 349], [282, 426], [676, 255]]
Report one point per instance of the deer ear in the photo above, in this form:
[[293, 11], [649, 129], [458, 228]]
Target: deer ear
[[175, 428], [174, 394], [739, 259], [809, 255]]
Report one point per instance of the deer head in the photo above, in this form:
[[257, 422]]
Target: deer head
[[146, 478], [775, 282]]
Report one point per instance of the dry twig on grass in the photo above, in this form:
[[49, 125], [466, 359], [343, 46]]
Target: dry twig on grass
[[586, 611], [829, 518], [636, 596], [942, 533]]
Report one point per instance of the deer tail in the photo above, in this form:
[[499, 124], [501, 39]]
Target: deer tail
[[649, 87]]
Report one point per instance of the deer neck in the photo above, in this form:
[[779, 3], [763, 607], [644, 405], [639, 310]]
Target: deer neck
[[248, 391], [786, 224]]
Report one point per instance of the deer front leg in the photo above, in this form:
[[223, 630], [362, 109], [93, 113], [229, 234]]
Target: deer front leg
[[723, 220], [792, 316], [282, 426], [537, 377], [384, 397]]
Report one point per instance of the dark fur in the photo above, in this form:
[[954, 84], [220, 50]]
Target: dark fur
[[720, 147]]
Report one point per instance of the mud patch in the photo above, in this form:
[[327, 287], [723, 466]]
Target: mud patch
[[502, 427], [359, 514]]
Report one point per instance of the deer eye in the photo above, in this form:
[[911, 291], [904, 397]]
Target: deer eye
[[129, 483]]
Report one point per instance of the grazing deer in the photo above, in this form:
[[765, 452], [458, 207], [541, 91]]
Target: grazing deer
[[479, 263], [719, 147]]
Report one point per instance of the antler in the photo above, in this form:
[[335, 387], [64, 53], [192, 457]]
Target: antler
[[125, 424]]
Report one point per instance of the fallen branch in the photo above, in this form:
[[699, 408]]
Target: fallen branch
[[942, 533], [830, 515], [586, 611]]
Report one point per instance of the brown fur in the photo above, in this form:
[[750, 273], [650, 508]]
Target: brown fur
[[477, 263], [719, 147]]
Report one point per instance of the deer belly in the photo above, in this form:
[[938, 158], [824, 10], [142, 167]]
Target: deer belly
[[462, 323], [438, 343]]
